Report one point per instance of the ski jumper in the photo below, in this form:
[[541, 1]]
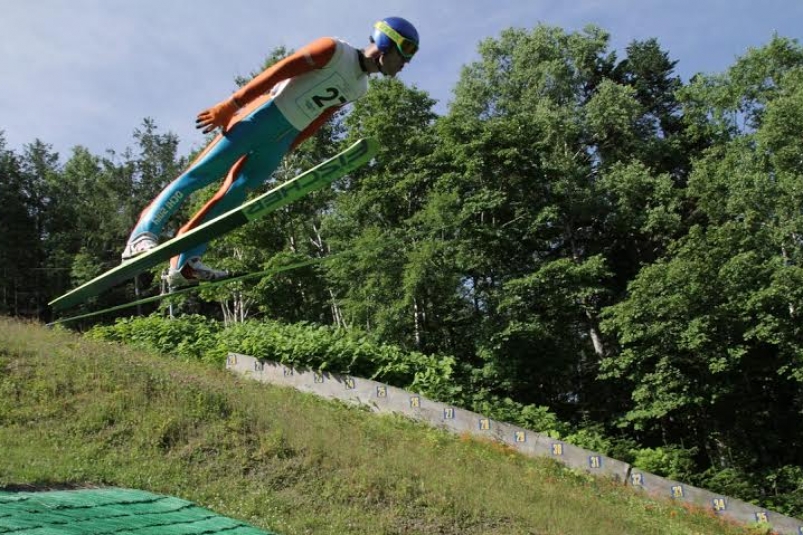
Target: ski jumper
[[279, 109]]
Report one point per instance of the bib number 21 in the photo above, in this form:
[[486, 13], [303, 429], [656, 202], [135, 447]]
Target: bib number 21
[[331, 97]]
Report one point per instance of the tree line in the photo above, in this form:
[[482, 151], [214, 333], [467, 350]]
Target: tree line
[[579, 231]]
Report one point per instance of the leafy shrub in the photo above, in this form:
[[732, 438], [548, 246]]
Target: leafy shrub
[[301, 345], [729, 482], [593, 436], [338, 351], [504, 409], [786, 484], [186, 338], [670, 461]]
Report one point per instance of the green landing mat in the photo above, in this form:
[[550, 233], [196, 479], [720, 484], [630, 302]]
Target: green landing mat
[[111, 511]]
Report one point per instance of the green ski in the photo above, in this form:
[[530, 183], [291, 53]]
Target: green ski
[[187, 289], [319, 176]]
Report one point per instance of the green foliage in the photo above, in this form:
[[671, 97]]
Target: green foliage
[[186, 338], [536, 418], [786, 484], [19, 249], [301, 345], [673, 462], [712, 324], [85, 267], [779, 489], [374, 222]]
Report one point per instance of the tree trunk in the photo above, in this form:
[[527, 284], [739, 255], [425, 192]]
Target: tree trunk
[[337, 313], [593, 331], [416, 323]]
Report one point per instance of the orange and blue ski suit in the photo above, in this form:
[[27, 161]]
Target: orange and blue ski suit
[[278, 109]]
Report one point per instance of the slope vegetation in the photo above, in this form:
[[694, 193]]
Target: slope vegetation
[[75, 412]]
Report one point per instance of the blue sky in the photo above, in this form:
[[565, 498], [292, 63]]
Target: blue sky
[[86, 72]]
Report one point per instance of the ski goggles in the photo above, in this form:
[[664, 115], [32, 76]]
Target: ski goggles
[[407, 47]]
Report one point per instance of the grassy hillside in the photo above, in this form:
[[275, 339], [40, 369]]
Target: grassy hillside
[[77, 412]]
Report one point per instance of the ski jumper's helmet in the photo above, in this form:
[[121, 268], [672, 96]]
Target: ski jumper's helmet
[[398, 32]]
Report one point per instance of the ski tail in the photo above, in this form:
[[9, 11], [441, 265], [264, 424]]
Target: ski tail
[[193, 288]]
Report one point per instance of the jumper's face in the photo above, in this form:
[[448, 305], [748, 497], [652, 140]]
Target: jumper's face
[[391, 62]]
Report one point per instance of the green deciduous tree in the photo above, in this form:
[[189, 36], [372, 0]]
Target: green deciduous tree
[[709, 334], [20, 246]]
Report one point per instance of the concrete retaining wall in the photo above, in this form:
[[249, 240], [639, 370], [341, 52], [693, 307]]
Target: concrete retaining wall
[[384, 398]]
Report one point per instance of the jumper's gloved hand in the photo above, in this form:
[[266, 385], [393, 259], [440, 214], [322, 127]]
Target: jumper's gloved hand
[[218, 115]]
